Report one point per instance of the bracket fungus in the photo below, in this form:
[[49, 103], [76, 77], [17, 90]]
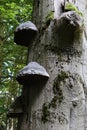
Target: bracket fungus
[[69, 25], [15, 109], [32, 73], [25, 33]]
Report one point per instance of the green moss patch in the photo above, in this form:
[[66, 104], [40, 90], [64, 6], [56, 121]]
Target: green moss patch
[[57, 90], [49, 17], [70, 6], [45, 113], [56, 85]]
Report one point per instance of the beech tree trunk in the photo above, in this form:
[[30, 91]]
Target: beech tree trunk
[[61, 47]]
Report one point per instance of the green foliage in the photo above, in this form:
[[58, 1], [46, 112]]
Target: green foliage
[[70, 6], [14, 12], [49, 17], [12, 56]]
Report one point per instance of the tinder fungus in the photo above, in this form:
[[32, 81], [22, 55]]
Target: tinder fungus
[[32, 73], [69, 28], [25, 33]]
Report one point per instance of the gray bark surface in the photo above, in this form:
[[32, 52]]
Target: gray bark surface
[[60, 104]]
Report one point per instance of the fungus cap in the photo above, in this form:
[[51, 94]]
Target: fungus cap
[[33, 72], [25, 33]]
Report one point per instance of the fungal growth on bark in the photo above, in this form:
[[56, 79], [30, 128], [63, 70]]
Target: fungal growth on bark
[[69, 25], [25, 33], [32, 73], [16, 108]]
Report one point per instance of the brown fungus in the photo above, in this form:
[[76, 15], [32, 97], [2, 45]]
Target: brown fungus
[[32, 73], [25, 33]]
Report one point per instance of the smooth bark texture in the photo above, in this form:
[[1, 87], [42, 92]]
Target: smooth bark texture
[[61, 102]]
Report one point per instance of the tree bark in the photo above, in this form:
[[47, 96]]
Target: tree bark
[[60, 46]]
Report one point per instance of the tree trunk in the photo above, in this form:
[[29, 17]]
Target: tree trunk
[[61, 48]]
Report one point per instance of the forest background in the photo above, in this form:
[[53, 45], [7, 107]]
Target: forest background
[[12, 56]]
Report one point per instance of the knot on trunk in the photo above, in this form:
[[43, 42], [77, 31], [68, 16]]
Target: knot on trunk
[[69, 28]]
